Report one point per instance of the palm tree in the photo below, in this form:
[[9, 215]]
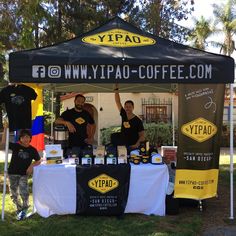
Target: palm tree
[[225, 15], [202, 30]]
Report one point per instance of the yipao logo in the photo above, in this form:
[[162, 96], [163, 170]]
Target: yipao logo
[[118, 38], [103, 183], [199, 129]]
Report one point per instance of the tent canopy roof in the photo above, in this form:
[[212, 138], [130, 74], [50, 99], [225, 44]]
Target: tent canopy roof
[[108, 88], [118, 52]]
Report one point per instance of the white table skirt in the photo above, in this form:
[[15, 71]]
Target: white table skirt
[[54, 189]]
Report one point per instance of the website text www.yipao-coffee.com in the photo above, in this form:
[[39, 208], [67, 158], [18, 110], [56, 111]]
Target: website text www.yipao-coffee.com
[[124, 72]]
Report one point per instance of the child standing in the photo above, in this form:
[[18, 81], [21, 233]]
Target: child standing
[[20, 167]]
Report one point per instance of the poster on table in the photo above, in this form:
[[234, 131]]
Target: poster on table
[[200, 122], [102, 190]]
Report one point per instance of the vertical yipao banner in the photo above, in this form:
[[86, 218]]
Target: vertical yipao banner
[[200, 121]]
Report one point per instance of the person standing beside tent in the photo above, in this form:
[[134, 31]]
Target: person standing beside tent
[[132, 130], [20, 167], [80, 124]]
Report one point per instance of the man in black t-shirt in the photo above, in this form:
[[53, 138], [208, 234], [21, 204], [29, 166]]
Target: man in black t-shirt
[[132, 130], [80, 124]]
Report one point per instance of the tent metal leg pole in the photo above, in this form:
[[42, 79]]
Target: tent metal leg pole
[[5, 172], [52, 108], [173, 121], [231, 152], [98, 121]]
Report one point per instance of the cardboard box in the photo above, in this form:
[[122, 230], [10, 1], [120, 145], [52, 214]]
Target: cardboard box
[[53, 153], [99, 151], [122, 154], [99, 155]]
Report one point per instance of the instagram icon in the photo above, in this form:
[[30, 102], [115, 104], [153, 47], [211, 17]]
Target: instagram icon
[[54, 71]]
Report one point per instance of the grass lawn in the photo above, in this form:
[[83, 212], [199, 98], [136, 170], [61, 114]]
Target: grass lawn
[[225, 159], [102, 226], [187, 222]]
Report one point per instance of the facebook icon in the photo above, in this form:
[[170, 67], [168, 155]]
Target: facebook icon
[[38, 71]]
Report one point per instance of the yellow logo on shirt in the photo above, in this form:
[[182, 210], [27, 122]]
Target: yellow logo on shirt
[[126, 124], [80, 120]]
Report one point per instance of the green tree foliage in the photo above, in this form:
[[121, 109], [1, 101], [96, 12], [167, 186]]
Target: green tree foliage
[[26, 24], [20, 22], [77, 17], [160, 16], [202, 30], [225, 16], [9, 30]]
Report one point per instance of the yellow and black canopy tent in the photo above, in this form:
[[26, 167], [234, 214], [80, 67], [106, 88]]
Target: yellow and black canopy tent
[[118, 52]]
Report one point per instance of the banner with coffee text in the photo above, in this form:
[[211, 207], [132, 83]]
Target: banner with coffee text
[[200, 121]]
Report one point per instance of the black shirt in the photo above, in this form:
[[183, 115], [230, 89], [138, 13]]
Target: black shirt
[[80, 121], [130, 128], [17, 99], [21, 158]]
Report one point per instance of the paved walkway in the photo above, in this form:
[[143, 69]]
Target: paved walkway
[[225, 155], [3, 156], [221, 231]]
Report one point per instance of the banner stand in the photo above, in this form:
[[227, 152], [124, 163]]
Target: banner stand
[[173, 120], [231, 153], [52, 108], [5, 172]]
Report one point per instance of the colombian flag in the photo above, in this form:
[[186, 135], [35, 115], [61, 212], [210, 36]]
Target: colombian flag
[[37, 119]]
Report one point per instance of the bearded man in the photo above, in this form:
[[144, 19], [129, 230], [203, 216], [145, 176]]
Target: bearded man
[[80, 124]]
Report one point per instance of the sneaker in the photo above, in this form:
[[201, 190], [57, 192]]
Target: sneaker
[[17, 212], [21, 215], [18, 215]]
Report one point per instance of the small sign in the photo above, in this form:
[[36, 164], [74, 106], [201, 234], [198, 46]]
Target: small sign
[[169, 154], [53, 153], [88, 98]]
